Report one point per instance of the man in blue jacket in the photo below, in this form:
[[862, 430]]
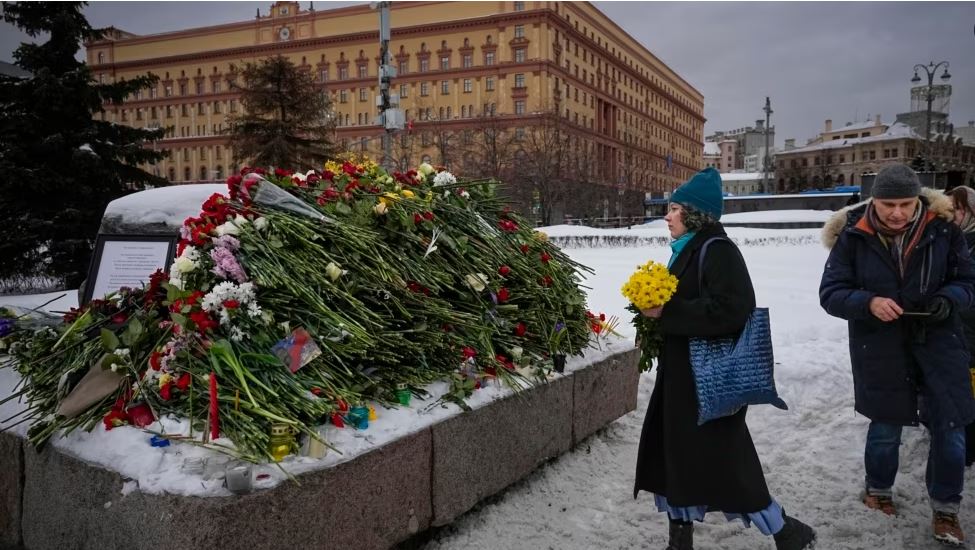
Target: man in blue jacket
[[899, 271]]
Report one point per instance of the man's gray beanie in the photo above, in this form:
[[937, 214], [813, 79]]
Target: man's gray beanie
[[896, 181]]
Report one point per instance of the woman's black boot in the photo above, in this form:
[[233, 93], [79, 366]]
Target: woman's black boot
[[795, 535], [681, 536]]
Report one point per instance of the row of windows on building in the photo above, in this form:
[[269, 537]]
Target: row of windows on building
[[170, 111], [888, 153], [614, 75]]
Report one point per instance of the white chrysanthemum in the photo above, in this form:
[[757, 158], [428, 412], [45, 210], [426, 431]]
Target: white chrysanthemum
[[260, 224], [444, 178], [237, 335]]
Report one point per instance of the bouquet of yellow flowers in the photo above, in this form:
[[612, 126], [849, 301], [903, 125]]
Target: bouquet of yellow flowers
[[650, 286]]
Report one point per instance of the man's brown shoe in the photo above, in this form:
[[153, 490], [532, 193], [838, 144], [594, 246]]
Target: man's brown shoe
[[883, 503], [947, 530]]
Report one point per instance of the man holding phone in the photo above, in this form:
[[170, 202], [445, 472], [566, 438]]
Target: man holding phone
[[899, 272]]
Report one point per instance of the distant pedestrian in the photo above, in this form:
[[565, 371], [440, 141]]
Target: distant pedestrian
[[694, 469], [963, 199], [900, 273]]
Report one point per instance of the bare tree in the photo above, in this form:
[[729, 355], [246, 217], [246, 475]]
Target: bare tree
[[543, 159], [488, 151]]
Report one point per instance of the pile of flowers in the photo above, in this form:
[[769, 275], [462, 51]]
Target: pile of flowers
[[297, 294], [650, 286]]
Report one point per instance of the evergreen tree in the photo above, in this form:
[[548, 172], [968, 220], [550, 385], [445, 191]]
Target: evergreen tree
[[59, 165], [287, 120]]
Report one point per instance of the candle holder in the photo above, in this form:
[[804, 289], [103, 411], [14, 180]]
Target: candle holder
[[240, 479], [315, 448], [359, 417], [281, 441], [558, 361], [403, 394], [216, 467]]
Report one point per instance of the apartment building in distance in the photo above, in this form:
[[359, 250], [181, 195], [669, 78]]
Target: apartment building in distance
[[636, 121]]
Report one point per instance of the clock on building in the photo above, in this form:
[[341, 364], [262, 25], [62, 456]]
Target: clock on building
[[284, 33]]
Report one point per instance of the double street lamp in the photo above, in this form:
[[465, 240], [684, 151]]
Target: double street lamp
[[930, 69]]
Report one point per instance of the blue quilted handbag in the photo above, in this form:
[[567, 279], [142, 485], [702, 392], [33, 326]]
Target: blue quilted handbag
[[730, 373]]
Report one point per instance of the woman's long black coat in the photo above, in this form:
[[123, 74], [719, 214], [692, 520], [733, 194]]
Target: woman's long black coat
[[715, 464]]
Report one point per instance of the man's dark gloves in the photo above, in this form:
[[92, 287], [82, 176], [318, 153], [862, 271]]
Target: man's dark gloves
[[939, 308]]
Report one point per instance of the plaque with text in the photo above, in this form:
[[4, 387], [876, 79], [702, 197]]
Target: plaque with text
[[126, 260]]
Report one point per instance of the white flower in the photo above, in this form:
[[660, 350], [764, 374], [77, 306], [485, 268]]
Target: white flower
[[477, 282], [184, 265], [380, 209], [446, 193], [444, 178], [516, 353], [333, 271], [254, 310], [426, 169], [191, 253], [236, 334], [240, 221], [227, 228], [260, 224], [300, 176], [466, 195]]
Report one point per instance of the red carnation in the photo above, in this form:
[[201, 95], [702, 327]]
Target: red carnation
[[504, 271], [503, 295], [337, 420], [520, 329], [546, 281], [203, 321], [602, 316], [155, 360], [231, 304], [417, 219], [281, 172], [469, 352], [428, 216], [166, 391], [316, 391], [183, 383], [545, 257], [524, 249], [119, 318], [114, 419]]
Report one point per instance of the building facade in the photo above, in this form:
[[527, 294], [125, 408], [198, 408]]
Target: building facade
[[712, 155], [830, 161], [634, 120], [748, 141]]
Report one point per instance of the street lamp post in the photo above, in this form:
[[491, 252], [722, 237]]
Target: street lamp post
[[768, 113], [930, 69]]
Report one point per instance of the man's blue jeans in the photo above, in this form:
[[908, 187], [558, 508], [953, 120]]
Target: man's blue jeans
[[945, 475]]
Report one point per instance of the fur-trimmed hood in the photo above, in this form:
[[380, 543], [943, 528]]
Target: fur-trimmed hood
[[937, 202]]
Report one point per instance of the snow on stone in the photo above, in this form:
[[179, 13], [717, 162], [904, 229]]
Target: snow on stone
[[169, 205], [767, 216]]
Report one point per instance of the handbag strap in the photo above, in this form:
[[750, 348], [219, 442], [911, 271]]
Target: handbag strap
[[700, 259]]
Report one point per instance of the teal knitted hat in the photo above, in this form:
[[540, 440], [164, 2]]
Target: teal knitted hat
[[703, 192]]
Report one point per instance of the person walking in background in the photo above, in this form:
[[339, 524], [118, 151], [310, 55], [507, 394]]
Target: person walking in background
[[963, 200], [694, 469], [900, 273]]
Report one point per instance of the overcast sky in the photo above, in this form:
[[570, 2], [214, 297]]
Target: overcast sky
[[834, 60]]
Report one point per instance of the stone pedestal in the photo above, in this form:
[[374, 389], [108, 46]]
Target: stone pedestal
[[49, 500]]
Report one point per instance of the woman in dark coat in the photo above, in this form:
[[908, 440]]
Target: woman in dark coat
[[963, 200], [693, 469]]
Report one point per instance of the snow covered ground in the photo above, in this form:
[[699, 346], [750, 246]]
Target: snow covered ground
[[812, 453]]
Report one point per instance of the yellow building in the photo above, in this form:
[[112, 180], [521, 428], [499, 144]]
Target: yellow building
[[637, 122]]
